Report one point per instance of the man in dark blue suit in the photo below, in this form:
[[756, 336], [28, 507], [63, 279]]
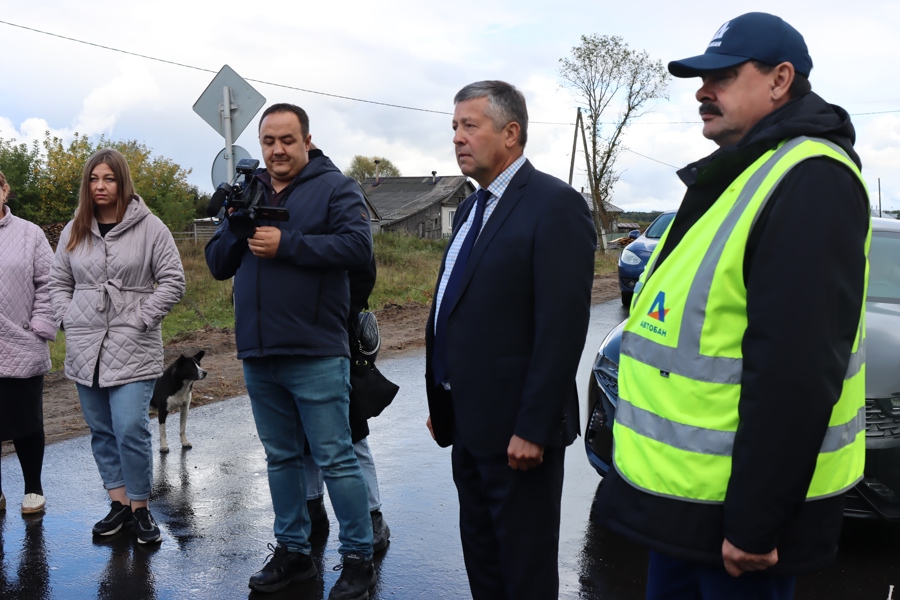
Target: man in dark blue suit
[[504, 338]]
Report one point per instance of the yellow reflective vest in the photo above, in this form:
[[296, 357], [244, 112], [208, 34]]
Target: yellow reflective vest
[[681, 364]]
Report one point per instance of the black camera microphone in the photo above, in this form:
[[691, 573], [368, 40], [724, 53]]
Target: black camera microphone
[[218, 200]]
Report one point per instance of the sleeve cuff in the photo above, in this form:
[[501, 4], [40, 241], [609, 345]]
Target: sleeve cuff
[[45, 329]]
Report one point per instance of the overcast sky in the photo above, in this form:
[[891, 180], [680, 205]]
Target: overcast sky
[[418, 55]]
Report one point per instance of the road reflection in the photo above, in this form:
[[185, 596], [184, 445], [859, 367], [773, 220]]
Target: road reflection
[[32, 573], [610, 566], [128, 572]]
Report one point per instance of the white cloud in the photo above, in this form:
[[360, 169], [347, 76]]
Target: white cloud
[[133, 87], [879, 147], [413, 54]]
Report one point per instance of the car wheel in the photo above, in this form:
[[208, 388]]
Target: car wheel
[[626, 299]]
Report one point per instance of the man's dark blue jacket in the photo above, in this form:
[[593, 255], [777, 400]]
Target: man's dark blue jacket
[[298, 302]]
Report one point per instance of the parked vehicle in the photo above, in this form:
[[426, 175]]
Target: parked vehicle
[[635, 255], [877, 496]]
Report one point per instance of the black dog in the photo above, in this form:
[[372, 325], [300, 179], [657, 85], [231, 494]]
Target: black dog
[[173, 391]]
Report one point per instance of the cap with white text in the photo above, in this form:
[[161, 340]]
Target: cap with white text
[[753, 36]]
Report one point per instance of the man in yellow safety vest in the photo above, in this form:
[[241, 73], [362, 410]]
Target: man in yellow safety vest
[[741, 415]]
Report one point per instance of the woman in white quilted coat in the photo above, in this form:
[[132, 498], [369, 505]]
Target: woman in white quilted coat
[[26, 324], [116, 274]]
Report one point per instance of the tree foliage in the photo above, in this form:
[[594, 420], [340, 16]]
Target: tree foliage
[[161, 183], [46, 179], [59, 180], [21, 166], [608, 76], [363, 167], [639, 216]]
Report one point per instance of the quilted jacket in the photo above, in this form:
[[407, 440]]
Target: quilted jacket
[[110, 295], [26, 317]]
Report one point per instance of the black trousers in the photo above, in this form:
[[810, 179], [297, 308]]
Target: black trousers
[[509, 524], [22, 421], [671, 578]]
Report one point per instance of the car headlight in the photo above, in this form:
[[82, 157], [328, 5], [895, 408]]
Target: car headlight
[[630, 258], [889, 406], [606, 365]]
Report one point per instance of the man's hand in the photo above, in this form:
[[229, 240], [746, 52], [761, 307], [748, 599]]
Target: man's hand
[[737, 561], [264, 242], [524, 455], [430, 428]]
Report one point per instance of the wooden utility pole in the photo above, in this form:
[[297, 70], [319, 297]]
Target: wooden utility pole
[[879, 196], [598, 213], [574, 143]]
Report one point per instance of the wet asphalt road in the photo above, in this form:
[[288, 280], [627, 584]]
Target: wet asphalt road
[[212, 503]]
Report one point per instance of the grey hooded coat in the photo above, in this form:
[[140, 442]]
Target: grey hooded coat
[[110, 295]]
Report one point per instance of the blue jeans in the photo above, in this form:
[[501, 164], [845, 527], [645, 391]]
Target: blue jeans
[[296, 398], [315, 484], [120, 434]]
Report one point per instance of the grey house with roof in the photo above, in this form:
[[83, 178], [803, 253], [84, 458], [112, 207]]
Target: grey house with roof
[[612, 210], [420, 206]]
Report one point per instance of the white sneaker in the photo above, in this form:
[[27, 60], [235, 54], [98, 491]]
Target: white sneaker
[[2, 502], [33, 503]]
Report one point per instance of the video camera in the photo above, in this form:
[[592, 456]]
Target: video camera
[[240, 201]]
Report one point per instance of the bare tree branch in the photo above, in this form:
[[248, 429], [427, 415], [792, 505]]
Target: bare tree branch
[[603, 72]]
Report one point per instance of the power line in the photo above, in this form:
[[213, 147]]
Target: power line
[[650, 158], [880, 112], [289, 87], [205, 70], [363, 100], [339, 96], [280, 85], [178, 64]]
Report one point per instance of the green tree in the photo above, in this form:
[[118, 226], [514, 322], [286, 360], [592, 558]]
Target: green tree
[[59, 179], [160, 182], [363, 167], [606, 75], [21, 165], [200, 200], [47, 179]]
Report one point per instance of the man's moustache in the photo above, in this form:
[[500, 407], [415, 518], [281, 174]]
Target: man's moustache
[[710, 109]]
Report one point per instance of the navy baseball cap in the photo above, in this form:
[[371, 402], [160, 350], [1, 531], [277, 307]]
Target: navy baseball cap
[[753, 36]]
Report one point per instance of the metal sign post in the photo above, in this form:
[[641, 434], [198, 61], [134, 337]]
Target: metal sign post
[[228, 104], [226, 120]]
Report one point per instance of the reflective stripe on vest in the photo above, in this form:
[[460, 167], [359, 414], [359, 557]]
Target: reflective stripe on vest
[[697, 444]]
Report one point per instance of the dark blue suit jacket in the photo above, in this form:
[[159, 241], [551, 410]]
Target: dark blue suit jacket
[[516, 331]]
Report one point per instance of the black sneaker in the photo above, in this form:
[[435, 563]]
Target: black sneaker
[[357, 578], [317, 515], [381, 533], [283, 568], [145, 528], [119, 514]]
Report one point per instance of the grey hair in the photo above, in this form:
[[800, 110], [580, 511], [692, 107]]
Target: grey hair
[[505, 104]]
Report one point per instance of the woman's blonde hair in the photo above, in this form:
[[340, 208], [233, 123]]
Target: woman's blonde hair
[[81, 224]]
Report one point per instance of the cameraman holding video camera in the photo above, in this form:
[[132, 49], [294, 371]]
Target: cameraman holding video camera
[[292, 298]]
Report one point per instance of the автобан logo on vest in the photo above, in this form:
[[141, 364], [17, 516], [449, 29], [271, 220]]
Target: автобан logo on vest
[[658, 311]]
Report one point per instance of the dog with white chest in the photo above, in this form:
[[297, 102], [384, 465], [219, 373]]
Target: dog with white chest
[[173, 392]]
